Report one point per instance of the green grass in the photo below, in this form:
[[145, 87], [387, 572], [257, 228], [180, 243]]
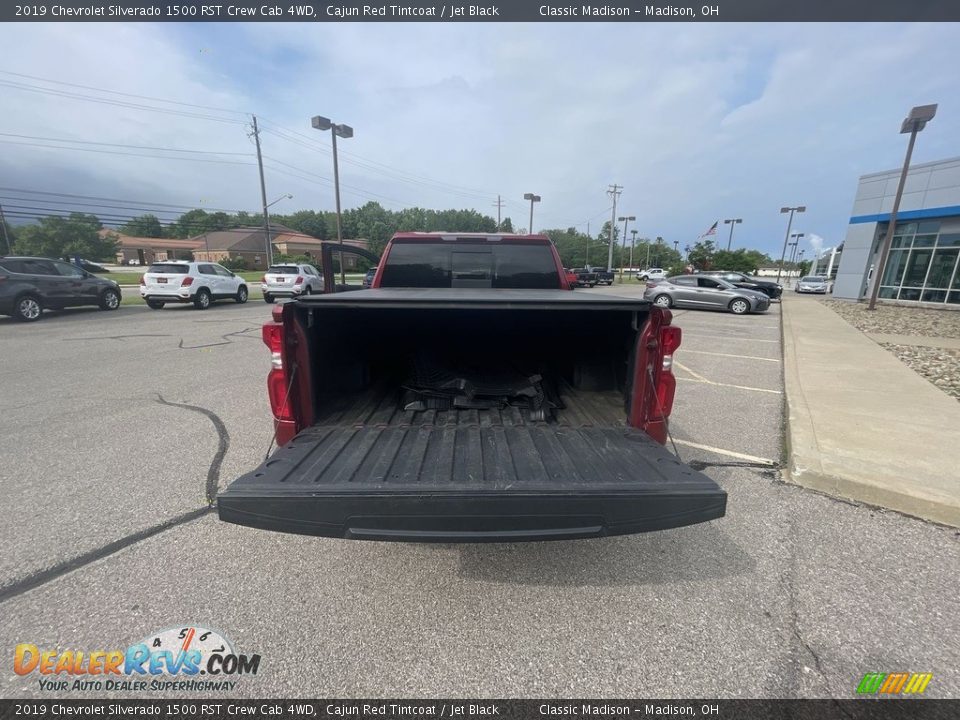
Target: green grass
[[251, 276]]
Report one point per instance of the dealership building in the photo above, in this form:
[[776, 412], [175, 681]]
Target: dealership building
[[922, 267]]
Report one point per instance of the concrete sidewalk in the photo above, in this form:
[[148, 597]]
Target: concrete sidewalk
[[861, 424]]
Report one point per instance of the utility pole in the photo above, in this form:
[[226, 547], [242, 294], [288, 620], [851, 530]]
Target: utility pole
[[263, 193], [3, 224], [499, 204], [633, 244], [614, 192]]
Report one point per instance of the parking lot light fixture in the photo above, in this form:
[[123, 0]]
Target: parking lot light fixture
[[533, 199], [732, 222], [345, 131], [914, 123], [786, 238]]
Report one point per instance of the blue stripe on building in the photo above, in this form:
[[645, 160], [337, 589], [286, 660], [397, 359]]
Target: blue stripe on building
[[904, 215]]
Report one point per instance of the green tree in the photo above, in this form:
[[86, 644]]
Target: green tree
[[143, 226], [741, 260], [64, 237], [701, 255], [506, 226]]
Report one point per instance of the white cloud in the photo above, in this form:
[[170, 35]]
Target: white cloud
[[697, 122]]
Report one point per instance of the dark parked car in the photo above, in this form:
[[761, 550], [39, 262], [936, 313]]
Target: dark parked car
[[769, 288], [706, 293], [30, 285]]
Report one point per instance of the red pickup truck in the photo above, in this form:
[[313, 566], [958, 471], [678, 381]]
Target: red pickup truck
[[446, 403]]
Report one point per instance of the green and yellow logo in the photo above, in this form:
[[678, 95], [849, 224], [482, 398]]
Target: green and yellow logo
[[898, 683]]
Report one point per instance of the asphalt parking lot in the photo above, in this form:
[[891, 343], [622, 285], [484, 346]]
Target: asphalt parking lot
[[117, 427]]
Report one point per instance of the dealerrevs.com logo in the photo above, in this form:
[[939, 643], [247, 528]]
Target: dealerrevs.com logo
[[190, 658]]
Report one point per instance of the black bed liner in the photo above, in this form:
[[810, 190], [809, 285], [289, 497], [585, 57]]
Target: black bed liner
[[498, 477]]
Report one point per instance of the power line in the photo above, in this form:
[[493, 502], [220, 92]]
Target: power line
[[129, 154], [92, 197], [119, 145], [117, 92], [116, 103]]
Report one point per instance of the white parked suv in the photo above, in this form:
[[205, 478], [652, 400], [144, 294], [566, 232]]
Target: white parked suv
[[200, 283], [290, 280], [652, 274]]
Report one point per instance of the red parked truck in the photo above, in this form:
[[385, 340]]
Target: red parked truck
[[446, 403]]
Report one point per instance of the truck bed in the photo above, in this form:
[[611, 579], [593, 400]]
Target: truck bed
[[365, 467], [369, 469]]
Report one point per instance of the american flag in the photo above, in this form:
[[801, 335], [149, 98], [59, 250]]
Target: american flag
[[711, 231]]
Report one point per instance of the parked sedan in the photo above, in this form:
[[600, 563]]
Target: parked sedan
[[290, 280], [771, 289], [30, 285], [709, 293], [813, 284]]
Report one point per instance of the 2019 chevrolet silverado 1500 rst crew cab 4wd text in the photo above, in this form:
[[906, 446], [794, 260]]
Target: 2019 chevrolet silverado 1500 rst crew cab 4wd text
[[446, 403]]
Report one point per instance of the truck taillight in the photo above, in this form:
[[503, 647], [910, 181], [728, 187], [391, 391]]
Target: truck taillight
[[669, 342], [277, 386], [187, 281]]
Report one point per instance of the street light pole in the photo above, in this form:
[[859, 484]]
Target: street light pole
[[626, 219], [731, 222], [533, 199], [345, 131], [786, 238], [633, 244], [914, 123]]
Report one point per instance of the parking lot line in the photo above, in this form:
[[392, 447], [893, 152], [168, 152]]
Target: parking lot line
[[731, 337], [743, 357], [729, 453], [738, 387]]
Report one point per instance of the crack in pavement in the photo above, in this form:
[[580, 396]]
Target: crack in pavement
[[213, 472], [116, 337], [35, 580], [240, 333]]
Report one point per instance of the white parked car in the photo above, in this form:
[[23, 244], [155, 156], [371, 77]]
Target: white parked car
[[652, 274], [200, 283], [290, 280]]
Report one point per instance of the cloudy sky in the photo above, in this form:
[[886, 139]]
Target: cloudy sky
[[696, 122]]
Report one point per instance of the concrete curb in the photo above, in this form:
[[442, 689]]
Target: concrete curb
[[809, 465]]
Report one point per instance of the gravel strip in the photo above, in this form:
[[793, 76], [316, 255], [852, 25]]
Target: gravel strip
[[938, 365], [941, 366], [896, 320]]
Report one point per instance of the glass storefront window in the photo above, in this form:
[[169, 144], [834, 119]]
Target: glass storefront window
[[917, 266], [941, 269], [895, 265], [923, 265]]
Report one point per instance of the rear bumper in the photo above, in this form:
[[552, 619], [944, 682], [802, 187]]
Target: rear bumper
[[281, 291], [167, 298], [488, 517]]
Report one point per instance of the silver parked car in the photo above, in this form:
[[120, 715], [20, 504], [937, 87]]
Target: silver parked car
[[813, 284], [709, 293], [290, 280]]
